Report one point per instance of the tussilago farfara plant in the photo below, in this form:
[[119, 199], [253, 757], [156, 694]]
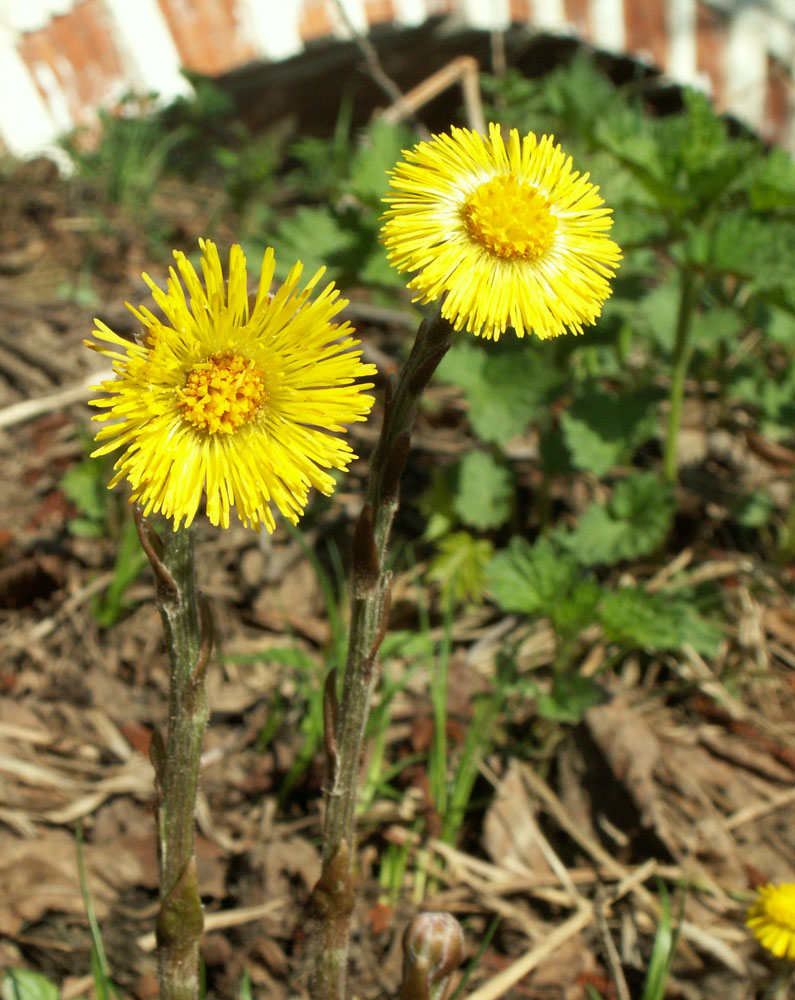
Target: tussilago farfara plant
[[504, 236], [237, 400]]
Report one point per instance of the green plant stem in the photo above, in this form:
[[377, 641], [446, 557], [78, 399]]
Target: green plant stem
[[188, 638], [681, 358], [346, 722]]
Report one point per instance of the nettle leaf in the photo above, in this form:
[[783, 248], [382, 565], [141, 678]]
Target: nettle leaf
[[633, 523], [603, 430], [773, 184], [531, 578], [570, 698], [460, 567], [377, 271], [758, 250], [657, 311], [572, 612], [380, 150], [632, 617], [505, 386], [315, 236], [772, 398], [780, 326], [715, 326], [485, 490]]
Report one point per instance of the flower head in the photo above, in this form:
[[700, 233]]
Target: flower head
[[239, 398], [772, 919], [511, 236]]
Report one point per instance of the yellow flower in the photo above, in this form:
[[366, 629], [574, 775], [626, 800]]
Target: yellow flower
[[510, 236], [772, 919], [236, 397]]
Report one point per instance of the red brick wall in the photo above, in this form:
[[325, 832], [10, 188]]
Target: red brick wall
[[78, 51], [209, 34], [646, 29]]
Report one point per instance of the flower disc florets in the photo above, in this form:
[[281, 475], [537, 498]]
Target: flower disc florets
[[237, 399], [508, 236]]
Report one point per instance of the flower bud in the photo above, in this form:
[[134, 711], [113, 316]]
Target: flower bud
[[433, 946]]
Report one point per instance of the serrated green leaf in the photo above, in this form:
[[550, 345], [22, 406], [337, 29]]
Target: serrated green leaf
[[380, 149], [576, 610], [656, 313], [484, 491], [313, 235], [603, 430], [570, 698], [506, 385], [633, 523], [531, 578], [633, 617], [772, 399], [715, 326], [773, 184], [22, 984], [460, 567], [757, 250]]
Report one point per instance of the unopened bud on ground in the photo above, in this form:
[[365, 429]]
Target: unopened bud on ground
[[433, 946]]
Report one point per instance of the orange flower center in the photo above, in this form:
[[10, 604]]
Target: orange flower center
[[222, 393], [510, 219]]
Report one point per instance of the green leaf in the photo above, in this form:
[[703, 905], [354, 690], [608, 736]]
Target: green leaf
[[129, 563], [603, 430], [506, 384], [84, 485], [576, 610], [657, 312], [313, 235], [570, 698], [531, 578], [381, 148], [21, 984], [773, 185], [460, 567], [485, 490], [756, 250], [715, 326], [633, 617], [436, 503], [754, 510], [633, 523]]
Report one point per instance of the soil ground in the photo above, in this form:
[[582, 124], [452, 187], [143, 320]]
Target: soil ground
[[685, 771]]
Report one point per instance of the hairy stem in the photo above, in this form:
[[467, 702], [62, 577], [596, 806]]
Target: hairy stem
[[188, 638], [346, 722], [681, 359]]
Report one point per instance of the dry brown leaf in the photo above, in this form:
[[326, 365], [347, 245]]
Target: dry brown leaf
[[37, 876], [510, 831], [631, 748]]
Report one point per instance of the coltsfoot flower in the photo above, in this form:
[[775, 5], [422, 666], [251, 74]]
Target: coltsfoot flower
[[240, 399], [772, 919], [510, 236]]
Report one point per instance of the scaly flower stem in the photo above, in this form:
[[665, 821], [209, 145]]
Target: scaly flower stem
[[188, 638], [687, 299], [345, 724]]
